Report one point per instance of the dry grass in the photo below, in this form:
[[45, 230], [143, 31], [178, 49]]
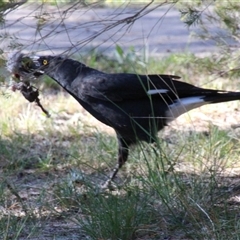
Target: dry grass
[[187, 187]]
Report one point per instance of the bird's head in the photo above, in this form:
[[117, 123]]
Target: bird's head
[[27, 67], [43, 64]]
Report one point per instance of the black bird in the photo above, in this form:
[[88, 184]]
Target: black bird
[[135, 106]]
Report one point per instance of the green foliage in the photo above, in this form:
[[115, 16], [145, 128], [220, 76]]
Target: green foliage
[[217, 21], [11, 227], [120, 61], [120, 217]]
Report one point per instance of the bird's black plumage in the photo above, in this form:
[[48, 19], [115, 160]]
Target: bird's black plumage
[[136, 106]]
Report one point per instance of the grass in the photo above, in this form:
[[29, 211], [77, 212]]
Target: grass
[[185, 186]]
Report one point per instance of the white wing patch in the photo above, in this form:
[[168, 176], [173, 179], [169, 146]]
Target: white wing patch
[[183, 105], [157, 91]]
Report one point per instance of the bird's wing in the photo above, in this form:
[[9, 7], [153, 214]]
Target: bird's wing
[[119, 87]]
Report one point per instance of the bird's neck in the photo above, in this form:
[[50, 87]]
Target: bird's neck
[[67, 71]]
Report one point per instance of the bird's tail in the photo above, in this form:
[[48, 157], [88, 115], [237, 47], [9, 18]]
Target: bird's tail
[[185, 104], [219, 97]]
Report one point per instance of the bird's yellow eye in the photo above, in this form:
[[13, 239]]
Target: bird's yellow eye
[[45, 62]]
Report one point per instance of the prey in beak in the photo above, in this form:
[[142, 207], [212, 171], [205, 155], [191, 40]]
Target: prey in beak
[[23, 70]]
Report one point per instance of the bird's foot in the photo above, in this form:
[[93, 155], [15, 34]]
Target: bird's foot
[[109, 185]]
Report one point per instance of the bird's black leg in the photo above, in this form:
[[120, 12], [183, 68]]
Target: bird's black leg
[[123, 147], [122, 157]]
